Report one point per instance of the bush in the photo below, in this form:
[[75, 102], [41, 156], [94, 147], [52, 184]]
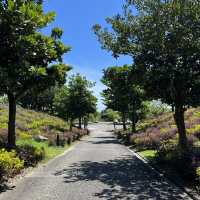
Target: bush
[[152, 138], [10, 164], [123, 135], [171, 155], [198, 178], [31, 154], [23, 135], [69, 141]]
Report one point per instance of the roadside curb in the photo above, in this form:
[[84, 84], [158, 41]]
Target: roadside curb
[[188, 191]]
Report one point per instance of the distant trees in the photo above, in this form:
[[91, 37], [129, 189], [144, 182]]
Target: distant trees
[[75, 100], [26, 55], [116, 93], [123, 94], [81, 101], [163, 39], [40, 101], [110, 115]]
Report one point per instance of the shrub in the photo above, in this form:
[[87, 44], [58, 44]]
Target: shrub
[[198, 178], [170, 154], [31, 154], [51, 142], [192, 139], [123, 135], [152, 138], [23, 135], [69, 141], [10, 164]]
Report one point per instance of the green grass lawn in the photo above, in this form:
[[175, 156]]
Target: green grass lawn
[[50, 151], [148, 154]]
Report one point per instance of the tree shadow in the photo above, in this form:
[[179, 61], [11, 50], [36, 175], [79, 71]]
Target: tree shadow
[[105, 137], [4, 187], [126, 177], [109, 141]]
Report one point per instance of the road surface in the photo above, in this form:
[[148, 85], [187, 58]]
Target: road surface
[[96, 168]]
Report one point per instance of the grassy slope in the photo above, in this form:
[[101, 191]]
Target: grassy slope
[[29, 124], [152, 132]]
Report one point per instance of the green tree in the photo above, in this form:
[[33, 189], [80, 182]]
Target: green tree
[[26, 55], [110, 115], [123, 94], [60, 102], [75, 100], [136, 106], [95, 117], [116, 93], [39, 101], [81, 101], [163, 39]]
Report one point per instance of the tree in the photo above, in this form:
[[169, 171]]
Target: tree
[[116, 93], [39, 101], [95, 117], [26, 55], [163, 39], [136, 106], [60, 102], [75, 100], [110, 115], [81, 101], [123, 94]]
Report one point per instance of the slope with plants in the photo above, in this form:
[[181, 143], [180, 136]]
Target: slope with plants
[[156, 139], [40, 137]]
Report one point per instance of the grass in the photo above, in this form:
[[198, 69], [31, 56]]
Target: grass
[[33, 123], [30, 123], [148, 154], [50, 151]]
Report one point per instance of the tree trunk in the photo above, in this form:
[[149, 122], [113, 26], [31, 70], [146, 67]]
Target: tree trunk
[[85, 122], [133, 120], [180, 122], [133, 126], [79, 122], [11, 122], [173, 108], [114, 124], [71, 124], [124, 121], [58, 140]]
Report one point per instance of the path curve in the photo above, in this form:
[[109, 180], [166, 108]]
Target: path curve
[[96, 168]]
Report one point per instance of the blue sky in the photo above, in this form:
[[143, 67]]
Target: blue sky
[[76, 18]]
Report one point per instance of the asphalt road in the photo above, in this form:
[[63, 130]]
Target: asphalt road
[[96, 168]]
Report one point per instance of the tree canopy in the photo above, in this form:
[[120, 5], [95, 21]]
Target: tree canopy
[[81, 101], [162, 37], [123, 94]]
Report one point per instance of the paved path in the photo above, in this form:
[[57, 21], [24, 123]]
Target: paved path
[[96, 168]]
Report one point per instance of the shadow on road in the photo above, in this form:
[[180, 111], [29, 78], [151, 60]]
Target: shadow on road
[[5, 187], [126, 178], [106, 137], [110, 141]]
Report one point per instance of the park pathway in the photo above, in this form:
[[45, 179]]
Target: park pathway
[[96, 168]]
